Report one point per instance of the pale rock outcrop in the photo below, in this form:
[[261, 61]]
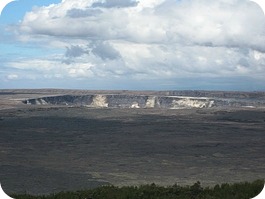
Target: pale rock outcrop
[[135, 105], [150, 103], [191, 103], [99, 101]]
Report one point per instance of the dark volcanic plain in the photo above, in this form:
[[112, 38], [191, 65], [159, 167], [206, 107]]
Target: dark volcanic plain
[[46, 149]]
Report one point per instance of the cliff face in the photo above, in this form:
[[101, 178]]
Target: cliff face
[[144, 101]]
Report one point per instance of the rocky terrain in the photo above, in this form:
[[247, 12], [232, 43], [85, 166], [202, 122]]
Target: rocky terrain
[[148, 99], [132, 99], [126, 101], [54, 140]]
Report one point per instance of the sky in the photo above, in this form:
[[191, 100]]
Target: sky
[[133, 45]]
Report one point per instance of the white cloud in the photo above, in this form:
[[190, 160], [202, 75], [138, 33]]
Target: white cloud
[[155, 39], [192, 22], [46, 68], [12, 76]]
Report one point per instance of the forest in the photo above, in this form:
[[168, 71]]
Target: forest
[[243, 190]]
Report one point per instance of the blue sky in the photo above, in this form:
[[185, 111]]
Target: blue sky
[[133, 44], [15, 11]]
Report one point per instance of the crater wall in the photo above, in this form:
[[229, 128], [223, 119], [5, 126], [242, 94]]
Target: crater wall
[[143, 101]]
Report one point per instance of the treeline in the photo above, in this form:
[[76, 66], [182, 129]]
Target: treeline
[[244, 190]]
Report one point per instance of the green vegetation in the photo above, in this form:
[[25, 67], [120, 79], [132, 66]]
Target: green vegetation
[[244, 190]]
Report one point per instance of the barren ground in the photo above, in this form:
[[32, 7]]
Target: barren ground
[[46, 149]]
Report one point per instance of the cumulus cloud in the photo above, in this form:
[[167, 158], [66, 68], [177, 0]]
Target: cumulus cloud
[[115, 3], [80, 13], [198, 22], [104, 51], [156, 39], [75, 51]]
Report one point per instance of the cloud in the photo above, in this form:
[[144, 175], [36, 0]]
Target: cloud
[[51, 68], [75, 51], [190, 22], [81, 13], [104, 51], [12, 76], [115, 3], [155, 39]]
